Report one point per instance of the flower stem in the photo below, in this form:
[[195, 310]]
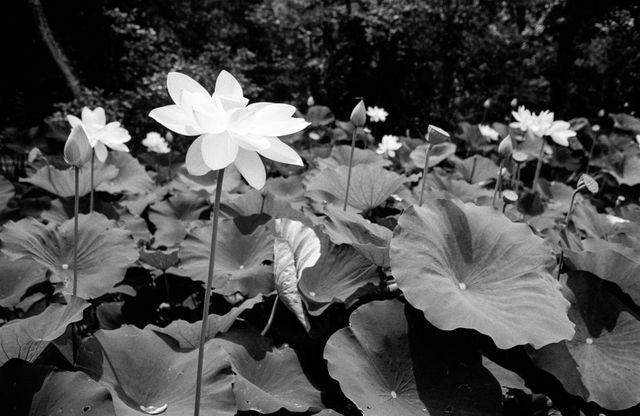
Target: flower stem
[[473, 168], [498, 187], [353, 147], [207, 293], [76, 213], [425, 172], [573, 197], [270, 321], [536, 176], [93, 157]]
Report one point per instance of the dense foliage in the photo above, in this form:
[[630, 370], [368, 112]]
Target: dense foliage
[[527, 304]]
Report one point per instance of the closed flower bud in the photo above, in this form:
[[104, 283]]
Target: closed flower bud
[[310, 101], [505, 147], [514, 102], [77, 149], [487, 103], [359, 114]]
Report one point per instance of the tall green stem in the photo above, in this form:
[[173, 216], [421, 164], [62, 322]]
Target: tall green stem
[[353, 147], [425, 171], [93, 157], [498, 187], [76, 209], [207, 293], [538, 166]]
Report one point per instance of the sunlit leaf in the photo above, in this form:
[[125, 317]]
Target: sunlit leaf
[[131, 178], [438, 153], [470, 267], [340, 156], [62, 182], [104, 251]]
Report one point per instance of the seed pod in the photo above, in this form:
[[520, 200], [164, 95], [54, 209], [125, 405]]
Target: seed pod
[[77, 149], [586, 181], [359, 114], [505, 148], [509, 197], [435, 135], [519, 156]]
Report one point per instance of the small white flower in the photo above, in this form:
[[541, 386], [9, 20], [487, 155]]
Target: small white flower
[[377, 114], [488, 132], [595, 127], [388, 146], [542, 124], [100, 133], [154, 142]]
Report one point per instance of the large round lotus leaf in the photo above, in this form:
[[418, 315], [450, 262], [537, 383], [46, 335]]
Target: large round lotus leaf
[[340, 275], [369, 239], [27, 338], [6, 192], [243, 263], [172, 215], [630, 174], [295, 248], [340, 157], [372, 362], [602, 361], [16, 277], [72, 394], [587, 219], [609, 261], [132, 177], [62, 182], [470, 267], [104, 251], [370, 186], [187, 335], [391, 362], [273, 382], [319, 115], [143, 372], [288, 189], [477, 168]]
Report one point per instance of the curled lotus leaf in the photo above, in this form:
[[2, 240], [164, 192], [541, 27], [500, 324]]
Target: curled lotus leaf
[[104, 251], [370, 186], [27, 338], [466, 266], [295, 248], [243, 263]]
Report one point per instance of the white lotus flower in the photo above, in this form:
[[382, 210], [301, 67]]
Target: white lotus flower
[[488, 132], [542, 124], [154, 142], [100, 134], [388, 146], [377, 114], [229, 129]]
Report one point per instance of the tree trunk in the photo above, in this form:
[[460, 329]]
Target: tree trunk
[[54, 48]]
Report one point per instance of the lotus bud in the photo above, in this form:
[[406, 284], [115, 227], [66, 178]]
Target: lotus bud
[[487, 103], [595, 128], [310, 101], [514, 103], [601, 112], [359, 114], [519, 157], [77, 149], [169, 137], [505, 148]]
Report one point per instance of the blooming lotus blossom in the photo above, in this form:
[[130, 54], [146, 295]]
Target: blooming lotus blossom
[[154, 142], [100, 134], [229, 129], [488, 132], [388, 146], [377, 114], [542, 124]]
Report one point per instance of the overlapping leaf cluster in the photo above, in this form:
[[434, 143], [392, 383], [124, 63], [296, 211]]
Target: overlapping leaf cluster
[[457, 306]]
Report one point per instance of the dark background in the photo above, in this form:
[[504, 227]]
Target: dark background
[[424, 61]]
